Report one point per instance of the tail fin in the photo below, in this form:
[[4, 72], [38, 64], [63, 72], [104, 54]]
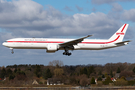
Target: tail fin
[[119, 35]]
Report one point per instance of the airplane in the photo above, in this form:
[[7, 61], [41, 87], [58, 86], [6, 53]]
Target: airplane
[[52, 44]]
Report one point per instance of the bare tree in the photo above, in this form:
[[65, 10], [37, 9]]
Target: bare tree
[[56, 63]]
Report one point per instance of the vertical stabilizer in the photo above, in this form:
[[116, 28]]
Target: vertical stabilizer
[[119, 35]]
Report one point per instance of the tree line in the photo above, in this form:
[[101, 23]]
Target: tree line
[[83, 75]]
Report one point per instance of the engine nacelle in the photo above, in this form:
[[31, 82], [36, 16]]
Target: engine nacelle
[[52, 48]]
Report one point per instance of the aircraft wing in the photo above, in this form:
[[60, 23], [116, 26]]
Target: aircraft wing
[[123, 43], [73, 42]]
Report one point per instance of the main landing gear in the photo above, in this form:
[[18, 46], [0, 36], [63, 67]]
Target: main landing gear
[[66, 52]]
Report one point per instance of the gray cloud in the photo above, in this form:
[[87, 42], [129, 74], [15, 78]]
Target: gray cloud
[[128, 15], [117, 7], [28, 19], [93, 9], [117, 12], [67, 8], [79, 8], [108, 1]]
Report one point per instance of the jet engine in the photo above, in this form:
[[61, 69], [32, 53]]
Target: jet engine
[[52, 48]]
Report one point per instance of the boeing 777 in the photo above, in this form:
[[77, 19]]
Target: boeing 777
[[52, 44]]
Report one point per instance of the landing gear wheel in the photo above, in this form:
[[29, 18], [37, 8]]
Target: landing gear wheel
[[69, 54], [66, 53]]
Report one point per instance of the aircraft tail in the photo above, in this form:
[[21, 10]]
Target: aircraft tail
[[119, 35]]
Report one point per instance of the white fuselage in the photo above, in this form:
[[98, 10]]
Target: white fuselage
[[42, 43]]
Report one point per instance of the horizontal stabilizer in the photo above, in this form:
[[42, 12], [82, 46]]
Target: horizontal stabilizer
[[123, 43]]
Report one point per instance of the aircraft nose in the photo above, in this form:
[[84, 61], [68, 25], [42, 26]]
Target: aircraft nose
[[4, 44]]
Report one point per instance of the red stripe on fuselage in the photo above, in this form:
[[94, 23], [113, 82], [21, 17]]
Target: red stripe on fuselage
[[63, 42], [35, 41], [102, 42]]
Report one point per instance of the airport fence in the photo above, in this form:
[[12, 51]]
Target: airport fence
[[38, 88], [66, 88]]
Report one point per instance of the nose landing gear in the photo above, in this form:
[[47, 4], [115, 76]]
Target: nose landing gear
[[12, 51]]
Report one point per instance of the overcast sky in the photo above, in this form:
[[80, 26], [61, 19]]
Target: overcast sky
[[66, 18]]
